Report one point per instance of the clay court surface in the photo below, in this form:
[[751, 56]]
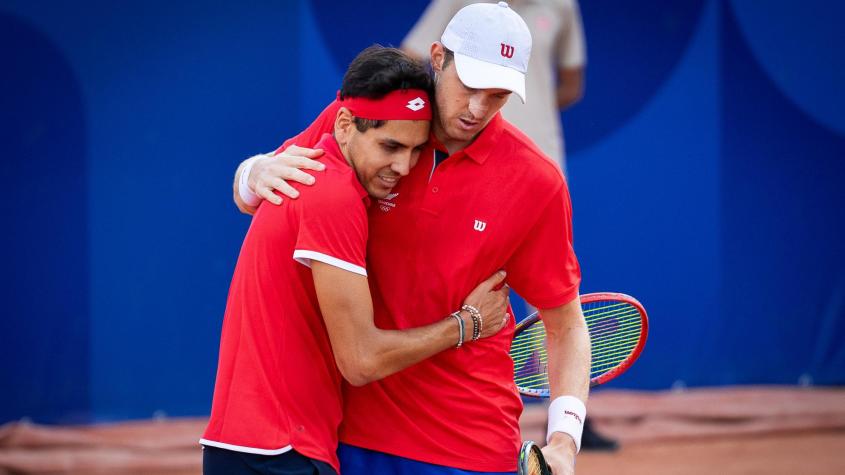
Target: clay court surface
[[768, 430]]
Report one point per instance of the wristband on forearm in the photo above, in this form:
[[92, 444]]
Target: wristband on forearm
[[247, 195], [567, 414]]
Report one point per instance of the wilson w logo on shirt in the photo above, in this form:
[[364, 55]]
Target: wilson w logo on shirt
[[479, 225]]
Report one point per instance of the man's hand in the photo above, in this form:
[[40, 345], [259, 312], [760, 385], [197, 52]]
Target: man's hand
[[560, 454], [491, 299], [272, 171]]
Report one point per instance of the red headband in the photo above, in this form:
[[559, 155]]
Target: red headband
[[401, 104]]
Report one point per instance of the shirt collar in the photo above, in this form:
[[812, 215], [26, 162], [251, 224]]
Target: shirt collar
[[484, 143], [332, 153]]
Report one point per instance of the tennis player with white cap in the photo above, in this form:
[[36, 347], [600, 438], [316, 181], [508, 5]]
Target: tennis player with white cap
[[481, 62], [483, 197]]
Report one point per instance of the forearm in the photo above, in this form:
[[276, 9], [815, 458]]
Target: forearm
[[568, 346], [390, 351], [570, 87], [365, 353], [567, 96]]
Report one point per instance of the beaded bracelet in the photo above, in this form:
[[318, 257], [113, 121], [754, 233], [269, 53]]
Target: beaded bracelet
[[477, 320]]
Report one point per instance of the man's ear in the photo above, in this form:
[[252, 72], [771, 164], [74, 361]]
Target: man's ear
[[344, 122], [437, 55]]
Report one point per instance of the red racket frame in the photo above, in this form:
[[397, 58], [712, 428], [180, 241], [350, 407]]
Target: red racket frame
[[596, 297]]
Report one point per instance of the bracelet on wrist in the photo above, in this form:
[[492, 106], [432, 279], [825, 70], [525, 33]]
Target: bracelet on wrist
[[460, 320], [477, 320]]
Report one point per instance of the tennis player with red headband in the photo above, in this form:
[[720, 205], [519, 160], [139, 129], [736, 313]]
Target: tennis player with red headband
[[483, 197], [299, 313]]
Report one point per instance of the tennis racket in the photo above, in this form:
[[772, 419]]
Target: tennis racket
[[531, 460], [618, 327]]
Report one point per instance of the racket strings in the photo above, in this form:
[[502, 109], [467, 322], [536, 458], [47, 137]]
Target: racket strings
[[531, 461], [608, 349], [608, 323], [535, 466], [615, 329], [614, 335]]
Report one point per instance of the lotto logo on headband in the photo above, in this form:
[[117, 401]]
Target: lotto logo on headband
[[401, 104], [416, 104]]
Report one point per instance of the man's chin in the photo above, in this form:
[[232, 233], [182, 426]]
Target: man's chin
[[378, 192], [461, 134]]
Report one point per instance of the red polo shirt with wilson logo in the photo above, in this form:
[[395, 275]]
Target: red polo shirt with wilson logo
[[499, 203], [277, 383]]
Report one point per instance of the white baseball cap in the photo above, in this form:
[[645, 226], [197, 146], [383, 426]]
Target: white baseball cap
[[492, 45]]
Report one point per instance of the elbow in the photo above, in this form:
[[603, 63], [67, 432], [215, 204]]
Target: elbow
[[357, 378], [359, 370]]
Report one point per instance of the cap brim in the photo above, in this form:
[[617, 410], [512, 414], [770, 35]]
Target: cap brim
[[479, 74]]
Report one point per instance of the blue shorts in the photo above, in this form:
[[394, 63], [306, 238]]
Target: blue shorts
[[217, 461], [358, 461]]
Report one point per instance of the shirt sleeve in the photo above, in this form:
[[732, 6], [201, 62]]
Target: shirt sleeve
[[430, 26], [333, 229], [571, 48], [323, 124], [544, 269]]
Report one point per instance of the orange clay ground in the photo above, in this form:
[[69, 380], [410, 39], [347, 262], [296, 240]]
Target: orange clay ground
[[759, 430]]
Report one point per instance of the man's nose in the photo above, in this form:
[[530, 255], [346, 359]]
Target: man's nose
[[478, 105], [402, 165]]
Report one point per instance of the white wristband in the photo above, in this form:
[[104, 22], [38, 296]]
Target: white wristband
[[248, 197], [566, 414]]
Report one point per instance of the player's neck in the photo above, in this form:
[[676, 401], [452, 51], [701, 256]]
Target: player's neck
[[452, 145]]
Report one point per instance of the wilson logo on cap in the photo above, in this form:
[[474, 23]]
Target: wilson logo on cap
[[416, 104], [507, 51]]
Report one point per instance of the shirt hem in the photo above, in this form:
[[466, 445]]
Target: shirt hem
[[558, 300], [246, 449], [305, 257]]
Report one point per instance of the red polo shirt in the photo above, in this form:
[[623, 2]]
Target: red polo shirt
[[277, 383], [499, 203]]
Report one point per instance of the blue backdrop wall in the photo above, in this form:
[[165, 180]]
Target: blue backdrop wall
[[705, 164]]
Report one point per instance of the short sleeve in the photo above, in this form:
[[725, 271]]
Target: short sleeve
[[323, 124], [572, 50], [544, 269], [430, 26], [333, 228]]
